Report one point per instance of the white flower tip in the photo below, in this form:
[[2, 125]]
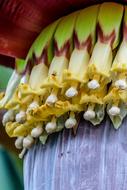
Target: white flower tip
[[70, 123], [50, 127], [71, 92], [52, 99], [20, 117], [32, 106], [19, 143], [21, 155], [28, 142], [121, 84], [8, 116], [114, 110], [36, 132], [89, 114], [93, 84]]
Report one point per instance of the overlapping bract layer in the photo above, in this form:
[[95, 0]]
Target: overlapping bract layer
[[77, 64]]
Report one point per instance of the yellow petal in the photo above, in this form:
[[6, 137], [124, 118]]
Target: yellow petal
[[116, 95], [95, 96], [113, 95], [23, 129], [19, 101], [57, 110], [25, 89], [10, 127]]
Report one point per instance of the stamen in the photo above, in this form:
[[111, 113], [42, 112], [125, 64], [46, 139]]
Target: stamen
[[23, 152], [36, 132], [114, 110], [121, 84], [51, 126], [70, 122], [8, 116], [28, 142], [71, 92], [19, 143], [32, 106], [89, 114], [93, 84], [52, 99], [20, 117]]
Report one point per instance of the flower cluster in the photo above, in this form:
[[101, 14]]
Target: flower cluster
[[77, 64]]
